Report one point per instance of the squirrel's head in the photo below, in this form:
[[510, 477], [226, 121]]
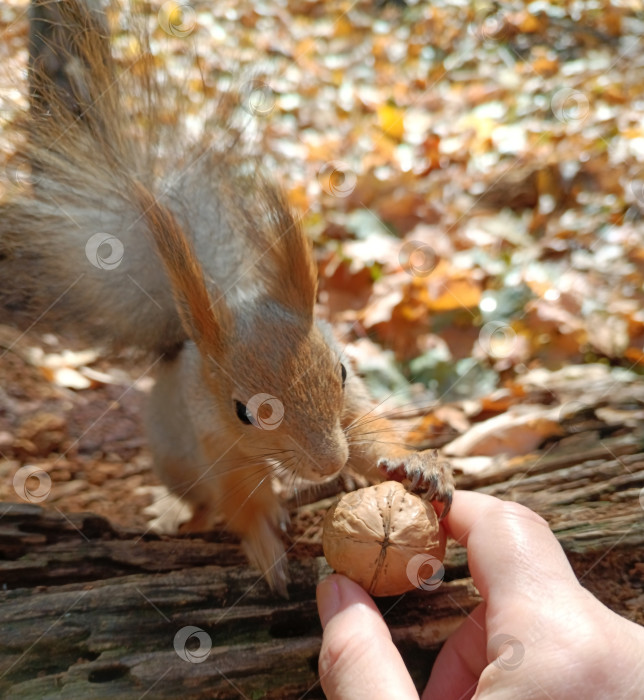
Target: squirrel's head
[[274, 372], [281, 386]]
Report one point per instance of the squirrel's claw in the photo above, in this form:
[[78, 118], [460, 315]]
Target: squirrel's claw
[[426, 474]]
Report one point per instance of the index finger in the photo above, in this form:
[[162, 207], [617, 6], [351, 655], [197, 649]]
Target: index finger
[[511, 550]]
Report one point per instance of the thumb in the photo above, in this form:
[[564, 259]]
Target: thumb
[[358, 660]]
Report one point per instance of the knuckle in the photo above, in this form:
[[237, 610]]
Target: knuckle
[[516, 512]]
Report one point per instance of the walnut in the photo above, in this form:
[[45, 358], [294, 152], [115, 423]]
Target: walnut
[[386, 539]]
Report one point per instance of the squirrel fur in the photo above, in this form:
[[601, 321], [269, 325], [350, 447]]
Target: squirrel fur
[[208, 273]]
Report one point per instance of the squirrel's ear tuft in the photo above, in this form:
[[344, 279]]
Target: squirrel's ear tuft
[[206, 322], [298, 289], [292, 280]]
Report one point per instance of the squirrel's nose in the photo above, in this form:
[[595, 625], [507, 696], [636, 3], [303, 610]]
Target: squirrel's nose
[[326, 457], [332, 455], [332, 467]]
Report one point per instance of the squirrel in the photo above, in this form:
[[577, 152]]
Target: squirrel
[[209, 274]]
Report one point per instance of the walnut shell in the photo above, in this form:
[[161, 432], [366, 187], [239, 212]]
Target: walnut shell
[[386, 539]]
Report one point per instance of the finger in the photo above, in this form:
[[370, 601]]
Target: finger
[[461, 661], [511, 551], [358, 660]]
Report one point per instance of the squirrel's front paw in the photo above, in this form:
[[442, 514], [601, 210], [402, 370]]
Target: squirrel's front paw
[[426, 474]]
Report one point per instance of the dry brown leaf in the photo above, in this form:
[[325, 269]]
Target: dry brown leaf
[[516, 432]]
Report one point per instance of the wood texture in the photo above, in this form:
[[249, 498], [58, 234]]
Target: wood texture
[[91, 611]]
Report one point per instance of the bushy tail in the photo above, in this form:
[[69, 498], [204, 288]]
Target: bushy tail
[[76, 252]]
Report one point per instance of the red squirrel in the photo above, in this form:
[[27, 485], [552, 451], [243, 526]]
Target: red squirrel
[[204, 268]]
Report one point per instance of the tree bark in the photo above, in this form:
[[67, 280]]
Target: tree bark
[[91, 611]]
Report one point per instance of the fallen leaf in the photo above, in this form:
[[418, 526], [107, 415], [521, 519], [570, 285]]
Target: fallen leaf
[[517, 432], [392, 121]]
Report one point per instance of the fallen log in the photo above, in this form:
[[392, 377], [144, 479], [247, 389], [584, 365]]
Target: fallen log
[[90, 610]]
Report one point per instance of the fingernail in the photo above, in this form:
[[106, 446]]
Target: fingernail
[[328, 599]]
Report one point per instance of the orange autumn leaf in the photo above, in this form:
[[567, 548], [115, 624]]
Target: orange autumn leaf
[[453, 294], [545, 66], [634, 355]]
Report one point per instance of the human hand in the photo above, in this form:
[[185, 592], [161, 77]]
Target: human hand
[[538, 633]]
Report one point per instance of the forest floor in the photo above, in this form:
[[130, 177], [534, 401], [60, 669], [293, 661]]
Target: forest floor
[[472, 177]]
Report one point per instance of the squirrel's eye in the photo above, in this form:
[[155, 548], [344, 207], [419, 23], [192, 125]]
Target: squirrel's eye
[[242, 413], [343, 370]]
